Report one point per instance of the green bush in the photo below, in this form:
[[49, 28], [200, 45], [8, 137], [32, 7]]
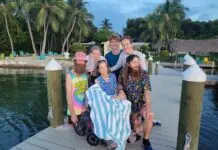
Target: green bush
[[77, 47], [144, 49], [164, 53]]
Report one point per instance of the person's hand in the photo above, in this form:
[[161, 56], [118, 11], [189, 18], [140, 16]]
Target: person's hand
[[122, 95], [74, 119], [150, 116]]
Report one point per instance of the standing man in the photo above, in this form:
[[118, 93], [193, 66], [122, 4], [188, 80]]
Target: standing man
[[113, 56]]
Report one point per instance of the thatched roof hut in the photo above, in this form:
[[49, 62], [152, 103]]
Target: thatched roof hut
[[194, 46]]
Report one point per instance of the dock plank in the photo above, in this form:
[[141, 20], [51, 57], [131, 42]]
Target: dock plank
[[165, 95]]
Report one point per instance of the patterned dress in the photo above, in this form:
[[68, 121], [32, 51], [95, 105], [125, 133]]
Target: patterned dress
[[110, 86], [135, 90]]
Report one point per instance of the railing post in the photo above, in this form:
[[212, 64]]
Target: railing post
[[150, 64], [55, 101], [157, 68], [190, 108]]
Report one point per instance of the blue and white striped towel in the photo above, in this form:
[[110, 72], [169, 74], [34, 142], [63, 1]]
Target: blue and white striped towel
[[111, 118]]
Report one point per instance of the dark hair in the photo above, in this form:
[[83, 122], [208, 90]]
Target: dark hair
[[128, 70], [131, 57], [127, 38], [98, 65], [114, 37]]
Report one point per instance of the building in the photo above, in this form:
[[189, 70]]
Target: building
[[194, 46]]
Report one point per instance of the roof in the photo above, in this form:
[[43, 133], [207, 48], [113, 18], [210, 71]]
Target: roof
[[210, 45]]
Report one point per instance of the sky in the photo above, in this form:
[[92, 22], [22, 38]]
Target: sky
[[118, 11]]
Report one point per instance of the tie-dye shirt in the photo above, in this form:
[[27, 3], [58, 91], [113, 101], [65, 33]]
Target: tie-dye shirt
[[80, 85]]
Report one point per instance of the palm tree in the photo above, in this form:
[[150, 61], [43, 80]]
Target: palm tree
[[5, 10], [24, 7], [51, 13], [105, 24], [78, 16], [166, 20]]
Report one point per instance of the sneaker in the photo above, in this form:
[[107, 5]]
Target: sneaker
[[148, 147], [156, 123]]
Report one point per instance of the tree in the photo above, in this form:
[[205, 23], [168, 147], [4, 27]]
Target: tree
[[5, 10], [166, 21], [24, 7], [105, 24], [77, 16], [51, 13], [102, 35], [138, 29]]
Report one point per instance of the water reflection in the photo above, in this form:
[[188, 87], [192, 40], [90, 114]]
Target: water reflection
[[209, 120]]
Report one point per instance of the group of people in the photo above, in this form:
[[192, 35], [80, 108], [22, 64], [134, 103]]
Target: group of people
[[122, 75]]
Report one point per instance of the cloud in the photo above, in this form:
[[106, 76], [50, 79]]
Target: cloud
[[118, 11], [204, 13]]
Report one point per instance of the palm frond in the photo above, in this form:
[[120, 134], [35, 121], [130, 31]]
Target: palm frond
[[41, 18]]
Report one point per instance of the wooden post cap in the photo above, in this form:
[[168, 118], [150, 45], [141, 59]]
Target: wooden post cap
[[187, 56], [194, 74], [53, 65], [150, 58], [190, 61]]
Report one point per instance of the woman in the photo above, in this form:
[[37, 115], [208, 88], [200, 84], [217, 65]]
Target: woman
[[128, 50], [108, 83], [135, 82], [92, 60]]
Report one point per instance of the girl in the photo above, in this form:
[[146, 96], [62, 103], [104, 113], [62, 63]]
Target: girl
[[108, 83]]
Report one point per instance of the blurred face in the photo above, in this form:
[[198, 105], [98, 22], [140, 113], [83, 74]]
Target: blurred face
[[80, 62], [114, 44], [134, 64], [80, 67], [103, 69], [127, 46], [96, 54]]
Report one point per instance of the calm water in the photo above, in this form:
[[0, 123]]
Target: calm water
[[23, 109]]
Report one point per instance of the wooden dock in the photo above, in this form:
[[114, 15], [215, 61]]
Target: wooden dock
[[180, 65], [165, 104]]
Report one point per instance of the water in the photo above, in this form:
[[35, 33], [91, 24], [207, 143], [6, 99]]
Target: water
[[23, 109]]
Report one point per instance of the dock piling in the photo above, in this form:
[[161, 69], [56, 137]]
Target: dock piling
[[188, 62], [55, 114], [150, 65], [157, 67], [190, 107]]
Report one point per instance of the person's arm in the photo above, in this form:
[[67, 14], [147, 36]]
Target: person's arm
[[119, 63], [69, 90], [147, 95]]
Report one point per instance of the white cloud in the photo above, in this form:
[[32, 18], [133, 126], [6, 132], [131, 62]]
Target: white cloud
[[124, 9]]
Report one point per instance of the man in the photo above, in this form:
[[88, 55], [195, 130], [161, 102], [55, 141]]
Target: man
[[128, 50], [113, 56], [134, 82], [76, 86]]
